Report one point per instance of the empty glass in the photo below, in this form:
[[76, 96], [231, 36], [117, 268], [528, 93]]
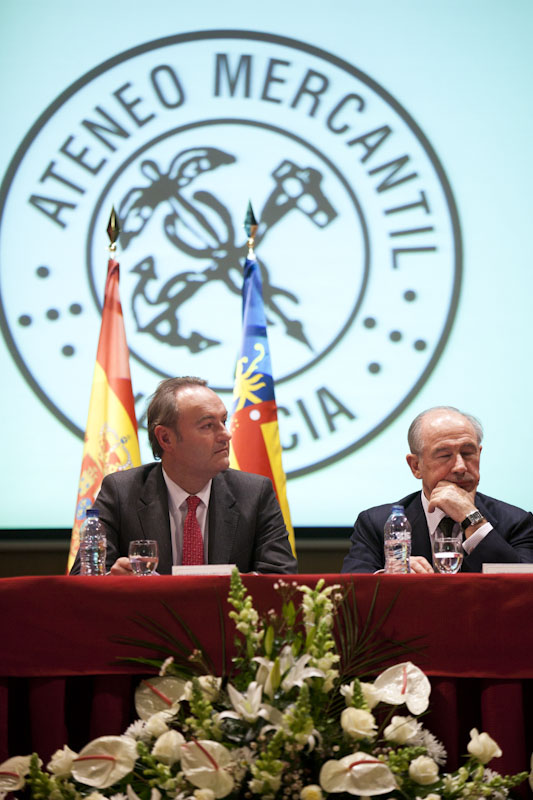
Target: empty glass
[[144, 556]]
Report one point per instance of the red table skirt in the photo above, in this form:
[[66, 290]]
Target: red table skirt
[[61, 680]]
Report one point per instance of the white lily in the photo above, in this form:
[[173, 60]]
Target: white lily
[[299, 673], [264, 675], [203, 763], [404, 683], [359, 774], [12, 773], [132, 795], [104, 761], [247, 706]]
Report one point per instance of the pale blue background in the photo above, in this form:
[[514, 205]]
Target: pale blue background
[[463, 70]]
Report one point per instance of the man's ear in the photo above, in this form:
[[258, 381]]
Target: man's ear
[[164, 436], [414, 464]]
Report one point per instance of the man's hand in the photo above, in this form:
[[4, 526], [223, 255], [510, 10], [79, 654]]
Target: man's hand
[[420, 565], [452, 499], [121, 567]]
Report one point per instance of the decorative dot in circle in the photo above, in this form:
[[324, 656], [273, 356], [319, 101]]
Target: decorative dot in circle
[[374, 368], [52, 313], [75, 308], [25, 320], [67, 350], [395, 336], [369, 322], [420, 344], [255, 414], [43, 272], [409, 295]]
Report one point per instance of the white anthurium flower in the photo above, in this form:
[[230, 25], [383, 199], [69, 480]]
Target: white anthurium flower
[[358, 723], [12, 773], [483, 747], [61, 762], [132, 795], [359, 774], [158, 694], [423, 770], [168, 747], [247, 706], [401, 730], [104, 761], [404, 683], [203, 763]]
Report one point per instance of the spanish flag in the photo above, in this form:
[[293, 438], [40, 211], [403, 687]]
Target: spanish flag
[[255, 443], [111, 441]]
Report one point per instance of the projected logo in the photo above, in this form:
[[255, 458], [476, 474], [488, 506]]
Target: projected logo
[[358, 241]]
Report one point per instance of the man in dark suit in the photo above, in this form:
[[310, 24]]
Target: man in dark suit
[[445, 449], [237, 515]]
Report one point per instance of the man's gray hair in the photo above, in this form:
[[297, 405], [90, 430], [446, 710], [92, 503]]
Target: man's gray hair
[[163, 408], [414, 434]]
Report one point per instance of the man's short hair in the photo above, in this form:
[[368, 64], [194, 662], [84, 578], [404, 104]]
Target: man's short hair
[[163, 408], [414, 434]]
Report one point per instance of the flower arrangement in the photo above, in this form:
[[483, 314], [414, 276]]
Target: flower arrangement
[[286, 723]]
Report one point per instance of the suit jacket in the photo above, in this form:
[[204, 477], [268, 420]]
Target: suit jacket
[[246, 525], [511, 539]]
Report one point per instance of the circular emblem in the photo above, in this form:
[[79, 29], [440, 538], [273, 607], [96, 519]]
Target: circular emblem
[[358, 242]]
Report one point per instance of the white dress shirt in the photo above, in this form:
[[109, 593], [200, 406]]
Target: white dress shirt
[[177, 511]]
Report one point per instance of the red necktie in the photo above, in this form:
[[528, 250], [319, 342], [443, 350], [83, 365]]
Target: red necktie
[[193, 544]]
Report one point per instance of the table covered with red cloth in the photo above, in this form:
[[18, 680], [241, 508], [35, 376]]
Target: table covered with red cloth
[[62, 677]]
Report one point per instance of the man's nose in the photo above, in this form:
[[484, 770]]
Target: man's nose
[[225, 433], [459, 465]]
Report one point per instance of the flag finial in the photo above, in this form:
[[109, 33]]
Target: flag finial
[[113, 230], [250, 226]]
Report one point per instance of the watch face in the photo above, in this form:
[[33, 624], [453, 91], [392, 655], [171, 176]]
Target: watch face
[[471, 519]]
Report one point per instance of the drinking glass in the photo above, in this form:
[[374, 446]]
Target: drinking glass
[[144, 556], [447, 553]]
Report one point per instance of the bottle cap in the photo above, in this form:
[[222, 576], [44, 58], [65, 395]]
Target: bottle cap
[[397, 507], [92, 512]]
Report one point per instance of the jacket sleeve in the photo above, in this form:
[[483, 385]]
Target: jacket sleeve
[[272, 552], [366, 550]]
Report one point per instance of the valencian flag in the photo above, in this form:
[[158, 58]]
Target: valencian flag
[[111, 441], [255, 443]]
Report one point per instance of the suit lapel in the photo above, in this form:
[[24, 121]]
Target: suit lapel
[[152, 510], [223, 521]]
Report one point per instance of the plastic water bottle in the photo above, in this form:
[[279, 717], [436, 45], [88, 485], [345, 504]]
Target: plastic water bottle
[[397, 541], [92, 544]]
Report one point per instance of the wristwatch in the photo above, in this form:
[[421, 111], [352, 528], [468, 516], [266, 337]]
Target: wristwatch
[[472, 519]]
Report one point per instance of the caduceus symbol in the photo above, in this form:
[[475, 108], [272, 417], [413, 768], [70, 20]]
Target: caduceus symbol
[[203, 229]]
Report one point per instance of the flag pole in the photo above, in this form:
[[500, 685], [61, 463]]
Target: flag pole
[[256, 445], [111, 440]]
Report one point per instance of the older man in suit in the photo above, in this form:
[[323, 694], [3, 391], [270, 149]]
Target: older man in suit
[[234, 515], [445, 449]]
